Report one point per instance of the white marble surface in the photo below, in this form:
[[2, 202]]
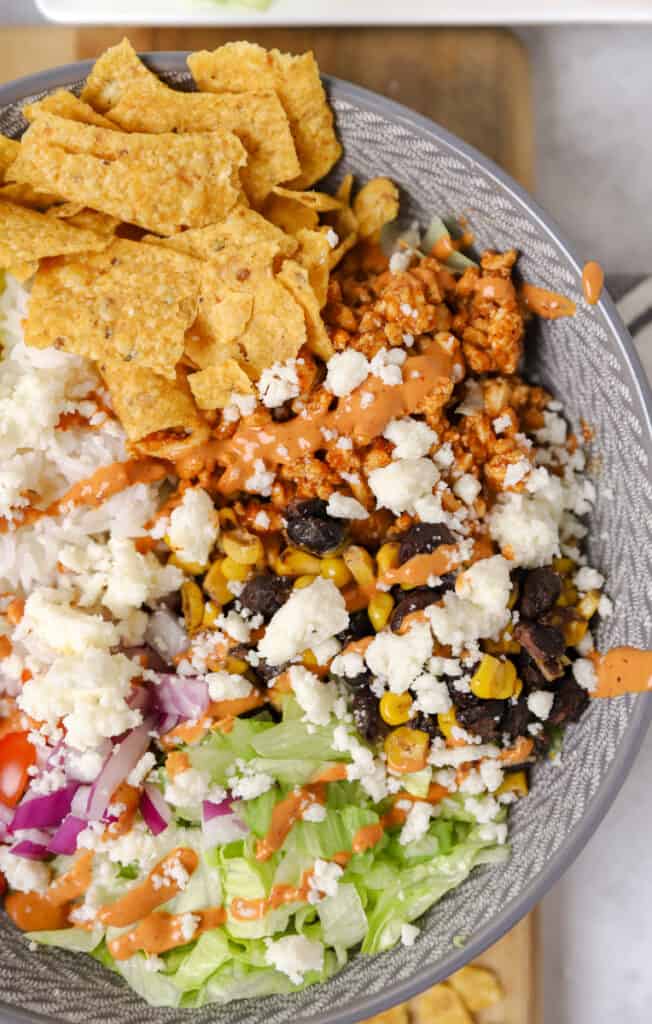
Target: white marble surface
[[592, 91]]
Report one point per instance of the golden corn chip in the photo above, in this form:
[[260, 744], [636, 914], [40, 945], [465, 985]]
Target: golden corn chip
[[159, 415], [66, 104], [241, 228], [376, 204], [25, 195], [160, 182], [90, 220], [295, 278], [223, 317], [289, 215], [478, 987], [277, 328], [27, 236], [213, 387], [321, 202], [314, 253], [239, 67], [117, 68], [9, 150], [439, 1005], [396, 1015], [98, 307], [344, 222]]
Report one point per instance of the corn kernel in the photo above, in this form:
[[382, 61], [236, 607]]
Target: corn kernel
[[309, 659], [407, 749], [493, 679], [211, 613], [575, 631], [514, 782], [564, 566], [506, 644], [242, 547], [303, 581], [228, 518], [395, 708], [447, 721], [588, 605], [235, 570], [387, 557], [293, 562], [568, 596], [192, 605], [215, 583], [192, 568], [236, 666], [335, 569], [360, 563], [379, 610]]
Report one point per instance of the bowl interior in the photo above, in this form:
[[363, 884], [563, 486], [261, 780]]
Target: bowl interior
[[588, 363]]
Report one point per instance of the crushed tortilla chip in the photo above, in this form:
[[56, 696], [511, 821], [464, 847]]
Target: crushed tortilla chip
[[118, 68], [97, 306], [439, 1005], [289, 214], [224, 314], [478, 987], [213, 387], [65, 104], [344, 222], [159, 182], [277, 328], [159, 415], [375, 205], [314, 252], [81, 217], [9, 150], [242, 228], [237, 67], [395, 1015], [321, 202], [295, 278], [27, 236]]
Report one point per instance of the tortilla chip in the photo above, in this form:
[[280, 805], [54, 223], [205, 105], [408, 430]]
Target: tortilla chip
[[81, 217], [344, 222], [117, 69], [65, 104], [27, 236], [214, 386], [242, 228], [478, 987], [223, 317], [439, 1005], [395, 1015], [9, 150], [277, 328], [295, 278], [159, 182], [98, 306], [321, 202], [236, 67], [314, 254], [289, 215], [25, 195], [159, 415], [375, 205]]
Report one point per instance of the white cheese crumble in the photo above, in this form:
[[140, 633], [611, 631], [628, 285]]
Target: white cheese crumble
[[261, 480], [314, 697], [491, 774], [314, 813], [585, 674], [386, 365], [409, 933], [501, 423], [411, 438], [278, 384], [529, 523], [324, 880], [588, 579], [225, 686], [308, 618], [63, 628], [416, 823], [141, 770], [478, 609], [539, 703], [194, 527], [349, 665], [340, 506], [432, 696], [399, 659], [345, 372], [294, 956], [22, 874], [515, 472], [467, 488], [401, 484], [187, 789]]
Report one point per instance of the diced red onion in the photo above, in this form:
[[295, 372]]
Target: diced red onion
[[80, 801], [166, 635], [64, 839], [210, 810], [124, 757], [184, 696], [155, 811], [166, 723], [30, 850], [44, 811]]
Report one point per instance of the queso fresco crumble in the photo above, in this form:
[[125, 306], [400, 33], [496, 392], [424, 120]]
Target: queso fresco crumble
[[293, 586]]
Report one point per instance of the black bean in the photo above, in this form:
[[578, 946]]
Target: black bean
[[478, 716], [541, 589], [420, 597], [366, 714], [422, 539], [359, 627], [530, 674], [266, 673], [265, 594], [360, 682], [426, 723], [544, 644], [570, 702], [310, 527], [516, 718]]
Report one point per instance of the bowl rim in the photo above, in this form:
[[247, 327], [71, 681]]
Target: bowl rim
[[493, 930]]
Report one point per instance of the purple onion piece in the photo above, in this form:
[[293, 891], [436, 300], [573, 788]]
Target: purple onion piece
[[64, 839], [210, 810], [124, 757], [155, 811], [30, 850], [184, 696], [44, 811]]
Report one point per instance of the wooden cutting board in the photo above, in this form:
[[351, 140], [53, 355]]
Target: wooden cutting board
[[476, 83]]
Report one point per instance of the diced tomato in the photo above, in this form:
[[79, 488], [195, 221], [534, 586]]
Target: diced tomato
[[17, 755]]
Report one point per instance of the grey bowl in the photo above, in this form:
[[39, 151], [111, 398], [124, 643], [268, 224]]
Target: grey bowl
[[590, 364]]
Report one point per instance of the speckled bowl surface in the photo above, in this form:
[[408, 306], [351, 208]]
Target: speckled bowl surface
[[590, 364]]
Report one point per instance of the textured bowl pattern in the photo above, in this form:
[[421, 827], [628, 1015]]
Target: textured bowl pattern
[[588, 362]]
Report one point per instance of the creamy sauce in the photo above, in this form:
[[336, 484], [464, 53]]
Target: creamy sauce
[[445, 246], [549, 305], [254, 909], [367, 837], [592, 282], [333, 773], [74, 882], [417, 570], [160, 886], [499, 289], [160, 932], [355, 416], [518, 753], [33, 912], [285, 814], [623, 670]]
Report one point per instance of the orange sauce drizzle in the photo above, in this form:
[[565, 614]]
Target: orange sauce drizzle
[[546, 304], [623, 670], [160, 931], [285, 814], [160, 886], [592, 282]]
